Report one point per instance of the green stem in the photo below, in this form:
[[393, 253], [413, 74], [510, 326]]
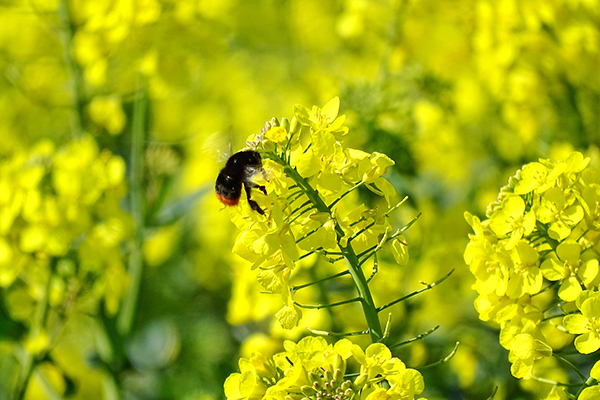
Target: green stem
[[552, 317], [364, 293], [443, 360], [387, 214], [493, 393], [30, 361], [554, 383], [574, 368], [323, 293], [127, 315], [375, 268], [320, 306], [589, 382], [298, 287], [73, 69], [347, 192], [416, 292], [418, 337], [337, 334]]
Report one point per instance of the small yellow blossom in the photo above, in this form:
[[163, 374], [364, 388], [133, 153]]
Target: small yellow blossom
[[586, 324]]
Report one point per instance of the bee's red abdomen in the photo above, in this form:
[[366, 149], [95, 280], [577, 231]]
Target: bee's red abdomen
[[227, 200]]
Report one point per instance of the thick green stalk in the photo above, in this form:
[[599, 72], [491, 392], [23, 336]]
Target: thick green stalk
[[73, 69], [366, 299], [127, 315], [30, 360]]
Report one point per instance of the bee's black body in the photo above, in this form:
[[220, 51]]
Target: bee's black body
[[238, 171]]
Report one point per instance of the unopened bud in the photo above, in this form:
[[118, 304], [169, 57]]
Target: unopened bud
[[268, 145], [295, 126], [270, 369], [316, 380], [361, 380], [338, 376], [327, 375], [339, 364], [308, 391]]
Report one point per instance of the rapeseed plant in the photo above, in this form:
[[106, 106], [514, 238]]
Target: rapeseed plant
[[535, 262], [308, 178]]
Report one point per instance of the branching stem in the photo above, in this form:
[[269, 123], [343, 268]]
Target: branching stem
[[298, 287], [320, 306], [364, 293], [328, 333], [570, 364], [416, 292], [443, 360], [418, 337]]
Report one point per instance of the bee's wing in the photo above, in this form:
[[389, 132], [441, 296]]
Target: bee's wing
[[218, 146]]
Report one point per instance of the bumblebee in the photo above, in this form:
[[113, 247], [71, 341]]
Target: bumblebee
[[238, 171]]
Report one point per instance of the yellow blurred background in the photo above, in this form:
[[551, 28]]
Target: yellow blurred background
[[459, 93]]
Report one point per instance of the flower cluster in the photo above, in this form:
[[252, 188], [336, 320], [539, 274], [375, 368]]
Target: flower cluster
[[313, 369], [61, 224], [535, 260], [307, 174]]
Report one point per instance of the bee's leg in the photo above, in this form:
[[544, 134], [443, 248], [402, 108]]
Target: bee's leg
[[254, 185], [253, 204]]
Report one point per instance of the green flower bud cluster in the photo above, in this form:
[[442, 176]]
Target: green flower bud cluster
[[313, 369], [328, 385], [61, 227], [535, 260]]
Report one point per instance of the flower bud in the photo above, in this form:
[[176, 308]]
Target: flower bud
[[270, 369], [339, 364], [316, 379], [327, 375], [338, 376], [308, 391], [268, 145], [295, 126], [361, 380], [285, 123]]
